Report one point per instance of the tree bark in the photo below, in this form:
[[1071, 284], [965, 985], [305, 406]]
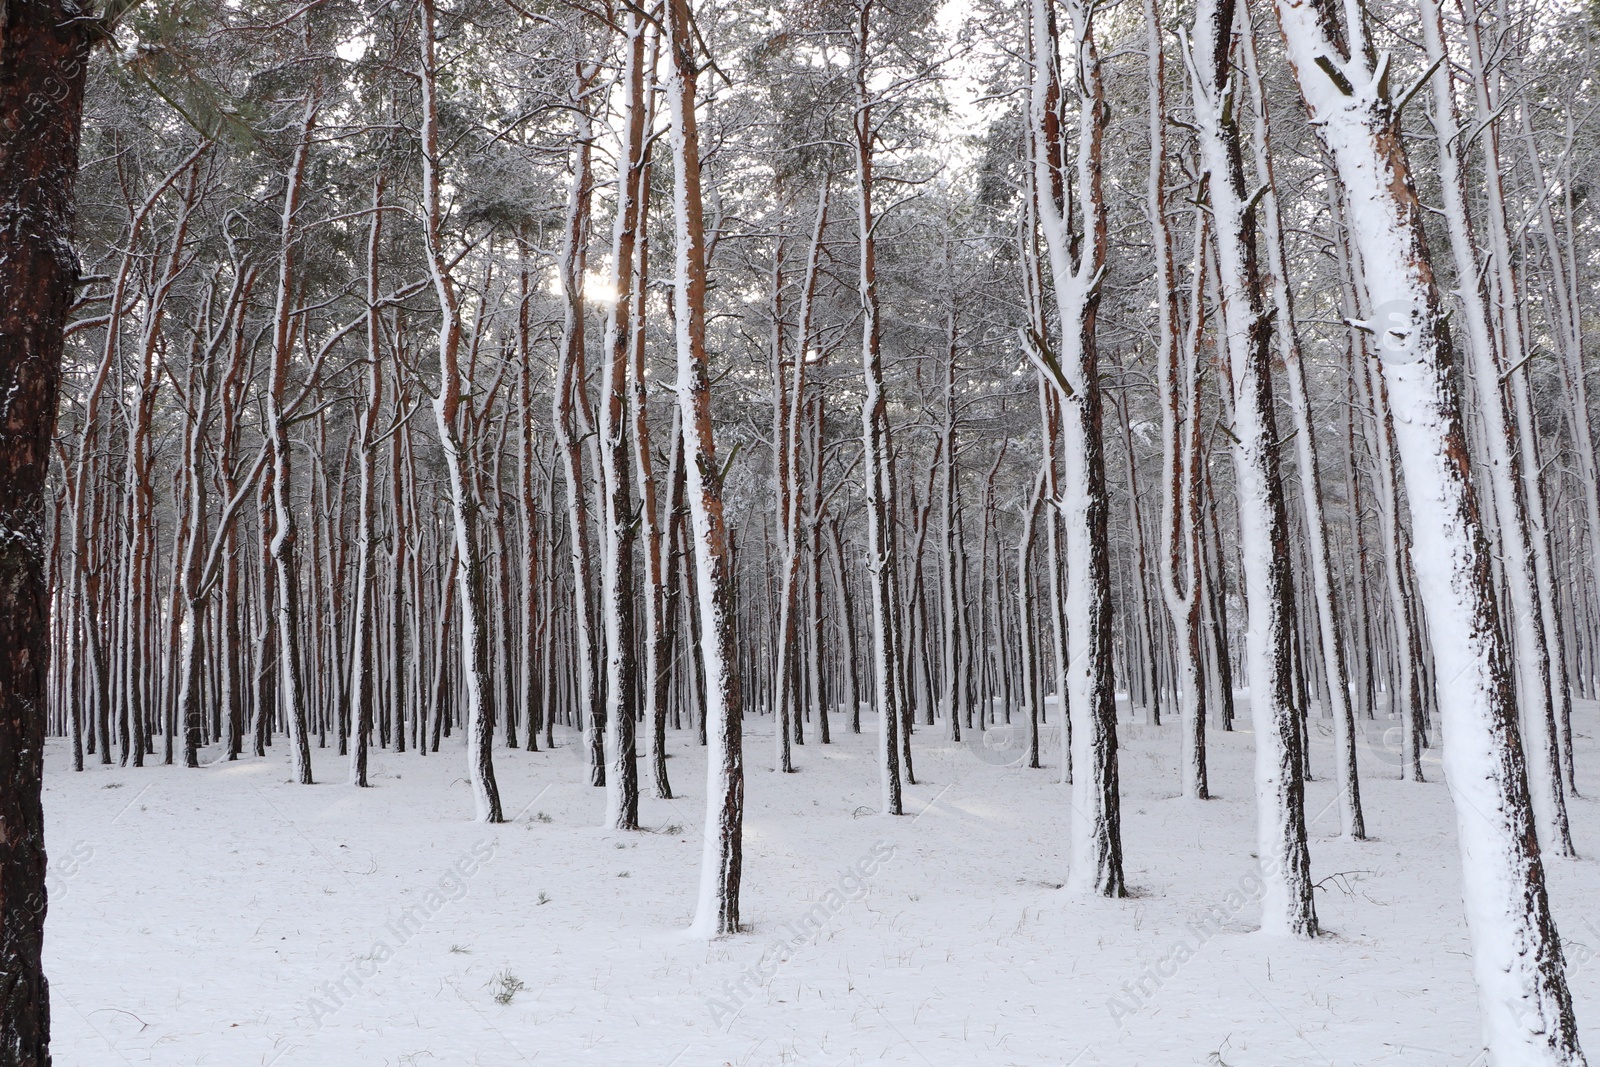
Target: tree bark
[[617, 575], [46, 53], [1523, 995], [291, 693], [877, 456], [717, 908], [1077, 267], [1287, 905], [1352, 823], [474, 647]]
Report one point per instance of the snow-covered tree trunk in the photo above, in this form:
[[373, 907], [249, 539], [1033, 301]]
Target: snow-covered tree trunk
[[263, 696], [1050, 422], [1370, 387], [788, 402], [1352, 823], [784, 478], [1181, 567], [286, 592], [1050, 432], [953, 665], [617, 573], [1214, 568], [571, 417], [664, 553], [1074, 230], [657, 631], [847, 626], [815, 507], [1506, 449], [464, 513], [1287, 905], [877, 451], [910, 621], [1143, 634], [363, 676], [401, 665], [1517, 960], [1360, 625], [530, 678], [194, 577], [1032, 685], [717, 906]]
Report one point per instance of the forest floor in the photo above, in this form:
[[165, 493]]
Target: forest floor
[[229, 917]]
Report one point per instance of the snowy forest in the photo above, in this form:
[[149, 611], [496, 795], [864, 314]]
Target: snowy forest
[[1027, 531]]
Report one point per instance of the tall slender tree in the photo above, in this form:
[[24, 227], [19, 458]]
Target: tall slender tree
[[1287, 905], [717, 907], [466, 568], [1065, 86]]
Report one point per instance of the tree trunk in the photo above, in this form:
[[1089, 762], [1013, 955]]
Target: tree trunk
[[291, 693], [474, 647], [1077, 266], [617, 574], [1329, 631], [717, 908], [877, 454], [363, 677], [1287, 905], [41, 98], [572, 420], [1527, 1009]]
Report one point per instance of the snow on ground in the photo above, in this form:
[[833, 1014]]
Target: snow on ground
[[228, 917]]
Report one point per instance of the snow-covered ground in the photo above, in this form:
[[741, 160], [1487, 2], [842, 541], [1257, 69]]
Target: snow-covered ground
[[228, 917]]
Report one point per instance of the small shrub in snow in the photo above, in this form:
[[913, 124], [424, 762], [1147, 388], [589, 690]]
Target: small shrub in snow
[[506, 986]]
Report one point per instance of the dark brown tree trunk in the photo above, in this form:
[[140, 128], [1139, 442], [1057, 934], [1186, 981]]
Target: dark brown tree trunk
[[46, 51]]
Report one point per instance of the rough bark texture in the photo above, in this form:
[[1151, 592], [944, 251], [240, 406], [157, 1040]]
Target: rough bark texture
[[877, 450], [1336, 690], [617, 569], [1287, 904], [717, 911], [1077, 265], [284, 536], [474, 641], [43, 56]]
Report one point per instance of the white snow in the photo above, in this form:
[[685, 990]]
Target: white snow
[[196, 915]]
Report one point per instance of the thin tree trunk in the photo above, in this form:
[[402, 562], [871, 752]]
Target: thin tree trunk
[[362, 674], [291, 696], [1077, 267], [571, 422], [617, 573], [877, 454], [788, 398], [474, 649], [717, 908], [1288, 908], [1335, 685]]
